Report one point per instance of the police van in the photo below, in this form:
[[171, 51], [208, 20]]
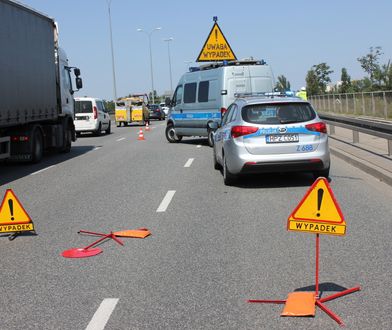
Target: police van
[[204, 93]]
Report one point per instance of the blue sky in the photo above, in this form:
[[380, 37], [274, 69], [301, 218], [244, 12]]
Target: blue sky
[[290, 35]]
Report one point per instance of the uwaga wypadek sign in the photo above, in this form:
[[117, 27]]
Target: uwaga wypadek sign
[[216, 48]]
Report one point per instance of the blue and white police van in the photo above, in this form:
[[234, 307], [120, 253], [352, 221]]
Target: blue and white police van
[[203, 95]]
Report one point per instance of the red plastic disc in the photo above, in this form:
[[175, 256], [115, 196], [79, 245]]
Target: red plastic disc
[[81, 253]]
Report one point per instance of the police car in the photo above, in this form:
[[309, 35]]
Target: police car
[[269, 133]]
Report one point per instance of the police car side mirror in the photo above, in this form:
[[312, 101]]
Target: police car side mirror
[[213, 125]]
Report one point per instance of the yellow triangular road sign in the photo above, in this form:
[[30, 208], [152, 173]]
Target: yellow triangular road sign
[[12, 211], [216, 47], [319, 204]]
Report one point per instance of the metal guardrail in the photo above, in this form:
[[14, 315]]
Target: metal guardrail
[[356, 125]]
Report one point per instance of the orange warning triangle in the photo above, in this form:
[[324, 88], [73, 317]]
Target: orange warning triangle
[[319, 205], [216, 47], [12, 211]]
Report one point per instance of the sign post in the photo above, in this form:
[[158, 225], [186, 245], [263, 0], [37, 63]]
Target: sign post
[[319, 213]]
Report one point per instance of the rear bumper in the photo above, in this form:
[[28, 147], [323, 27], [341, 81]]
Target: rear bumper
[[287, 166]]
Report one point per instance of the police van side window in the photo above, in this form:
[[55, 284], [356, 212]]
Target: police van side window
[[177, 95], [190, 93], [203, 91]]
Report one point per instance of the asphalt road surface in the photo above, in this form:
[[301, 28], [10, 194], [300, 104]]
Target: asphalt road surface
[[212, 247]]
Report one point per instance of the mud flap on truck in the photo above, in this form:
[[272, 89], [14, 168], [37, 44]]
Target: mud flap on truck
[[5, 147]]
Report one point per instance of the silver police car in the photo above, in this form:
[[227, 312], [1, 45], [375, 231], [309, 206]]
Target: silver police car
[[265, 134]]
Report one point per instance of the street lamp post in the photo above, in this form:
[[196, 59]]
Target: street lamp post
[[170, 70], [149, 43], [111, 45]]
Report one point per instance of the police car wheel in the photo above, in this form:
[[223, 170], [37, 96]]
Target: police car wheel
[[228, 178], [217, 166], [210, 138]]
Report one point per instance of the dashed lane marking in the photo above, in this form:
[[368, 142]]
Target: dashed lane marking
[[198, 146], [189, 162], [166, 201], [44, 169], [102, 315], [120, 139], [96, 148]]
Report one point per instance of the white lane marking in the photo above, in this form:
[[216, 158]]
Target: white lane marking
[[96, 148], [102, 315], [198, 146], [44, 169], [120, 139], [189, 162], [166, 201]]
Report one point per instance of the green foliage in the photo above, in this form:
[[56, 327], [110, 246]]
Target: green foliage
[[370, 63], [109, 105], [322, 72], [345, 87], [312, 85], [283, 84]]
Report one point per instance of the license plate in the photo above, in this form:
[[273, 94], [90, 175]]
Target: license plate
[[82, 118], [282, 138]]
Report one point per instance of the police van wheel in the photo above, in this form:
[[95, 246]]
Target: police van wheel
[[171, 135], [210, 138]]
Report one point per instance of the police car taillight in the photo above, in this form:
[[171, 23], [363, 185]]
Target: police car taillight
[[317, 127], [223, 111], [237, 131]]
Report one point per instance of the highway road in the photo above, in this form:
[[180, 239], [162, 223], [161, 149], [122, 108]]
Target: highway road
[[212, 247]]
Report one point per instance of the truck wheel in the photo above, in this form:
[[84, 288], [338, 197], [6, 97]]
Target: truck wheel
[[171, 135], [37, 147], [67, 138]]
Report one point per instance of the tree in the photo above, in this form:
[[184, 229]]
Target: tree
[[322, 72], [345, 87], [312, 86], [283, 84], [370, 64]]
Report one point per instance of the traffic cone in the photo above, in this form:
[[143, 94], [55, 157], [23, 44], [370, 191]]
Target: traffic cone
[[141, 135], [147, 127]]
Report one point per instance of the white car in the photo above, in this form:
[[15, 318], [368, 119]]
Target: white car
[[164, 108], [91, 116]]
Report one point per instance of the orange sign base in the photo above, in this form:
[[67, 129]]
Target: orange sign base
[[300, 304], [297, 303]]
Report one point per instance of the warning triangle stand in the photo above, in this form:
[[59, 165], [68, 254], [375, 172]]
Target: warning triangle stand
[[13, 217], [303, 303]]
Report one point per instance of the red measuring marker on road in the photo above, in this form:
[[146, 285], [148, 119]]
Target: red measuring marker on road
[[318, 213]]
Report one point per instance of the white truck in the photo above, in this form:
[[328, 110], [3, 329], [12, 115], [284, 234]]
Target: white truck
[[36, 93]]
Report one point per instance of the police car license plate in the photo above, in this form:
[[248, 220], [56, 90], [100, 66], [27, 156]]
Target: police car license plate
[[282, 138]]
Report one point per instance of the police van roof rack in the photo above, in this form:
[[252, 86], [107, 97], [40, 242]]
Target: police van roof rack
[[215, 65]]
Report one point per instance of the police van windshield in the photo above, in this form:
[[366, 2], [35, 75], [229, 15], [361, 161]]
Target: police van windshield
[[282, 113]]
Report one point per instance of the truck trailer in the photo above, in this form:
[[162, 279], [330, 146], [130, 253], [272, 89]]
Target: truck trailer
[[36, 92]]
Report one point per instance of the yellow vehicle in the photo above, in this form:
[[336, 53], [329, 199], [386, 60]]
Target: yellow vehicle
[[132, 109]]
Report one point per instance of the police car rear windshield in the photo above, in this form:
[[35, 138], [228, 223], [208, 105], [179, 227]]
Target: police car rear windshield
[[278, 113]]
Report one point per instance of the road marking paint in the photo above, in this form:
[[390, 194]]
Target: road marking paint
[[198, 146], [102, 315], [120, 139], [189, 162], [44, 169], [96, 148], [166, 201]]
